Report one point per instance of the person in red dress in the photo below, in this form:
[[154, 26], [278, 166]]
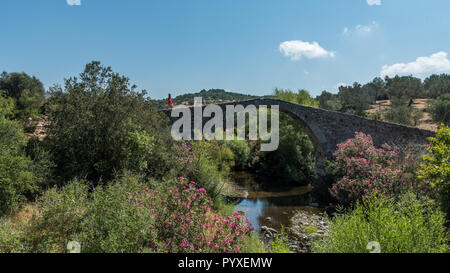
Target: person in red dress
[[170, 101]]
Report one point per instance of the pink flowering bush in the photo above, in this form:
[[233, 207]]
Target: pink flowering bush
[[364, 169], [183, 220]]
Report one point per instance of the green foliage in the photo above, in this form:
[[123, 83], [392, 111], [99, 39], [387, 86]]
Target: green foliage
[[26, 91], [400, 90], [280, 243], [402, 112], [43, 165], [301, 97], [409, 226], [62, 214], [329, 101], [437, 85], [252, 244], [436, 166], [241, 152], [6, 107], [375, 116], [355, 99], [12, 138], [91, 123], [308, 230], [440, 109], [102, 221], [141, 146], [211, 164], [114, 224], [17, 180], [293, 161], [406, 87], [11, 237]]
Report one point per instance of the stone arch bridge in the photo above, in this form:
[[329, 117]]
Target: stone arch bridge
[[326, 128]]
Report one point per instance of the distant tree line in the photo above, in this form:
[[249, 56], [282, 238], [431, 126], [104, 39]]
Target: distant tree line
[[208, 96], [400, 90]]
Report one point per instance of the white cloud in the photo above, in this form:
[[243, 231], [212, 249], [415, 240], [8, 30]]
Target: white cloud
[[435, 63], [374, 2], [361, 29], [73, 2], [298, 49]]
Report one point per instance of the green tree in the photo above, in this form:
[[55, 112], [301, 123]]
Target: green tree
[[17, 180], [6, 107], [98, 120], [26, 91], [329, 101], [378, 87], [437, 85], [293, 161], [440, 109], [301, 97], [436, 167], [406, 87], [355, 99]]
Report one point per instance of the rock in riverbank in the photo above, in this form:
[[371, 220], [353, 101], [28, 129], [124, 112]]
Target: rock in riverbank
[[306, 228]]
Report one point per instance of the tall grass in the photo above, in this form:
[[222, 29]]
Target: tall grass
[[408, 226]]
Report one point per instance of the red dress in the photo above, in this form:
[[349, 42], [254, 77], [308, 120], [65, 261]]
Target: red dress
[[170, 102]]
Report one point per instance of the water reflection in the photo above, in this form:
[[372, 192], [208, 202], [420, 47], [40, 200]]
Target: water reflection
[[271, 206]]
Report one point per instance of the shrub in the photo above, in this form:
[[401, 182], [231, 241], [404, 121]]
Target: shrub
[[363, 169], [96, 124], [440, 109], [12, 138], [128, 216], [280, 243], [241, 152], [11, 238], [184, 221], [61, 216], [301, 97], [402, 112], [17, 181], [252, 244], [140, 147], [206, 162], [409, 226], [436, 167], [114, 223], [6, 107], [43, 165]]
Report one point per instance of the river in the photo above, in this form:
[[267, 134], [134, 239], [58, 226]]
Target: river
[[270, 206]]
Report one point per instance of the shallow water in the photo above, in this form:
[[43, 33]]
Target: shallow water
[[271, 206]]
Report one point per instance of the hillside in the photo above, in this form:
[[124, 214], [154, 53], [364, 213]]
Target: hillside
[[209, 96], [426, 122]]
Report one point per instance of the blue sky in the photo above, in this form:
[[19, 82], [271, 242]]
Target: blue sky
[[249, 46]]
